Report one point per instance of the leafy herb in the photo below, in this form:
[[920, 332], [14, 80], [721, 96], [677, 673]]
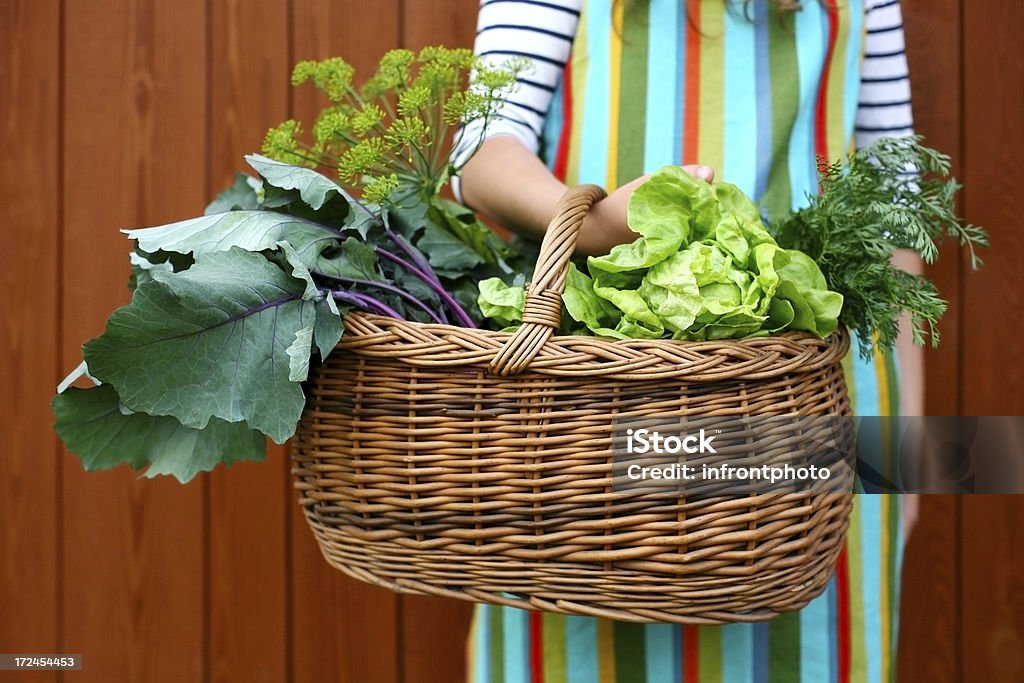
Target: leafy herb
[[391, 133], [893, 194]]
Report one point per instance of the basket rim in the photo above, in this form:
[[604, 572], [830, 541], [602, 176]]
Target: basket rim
[[434, 345]]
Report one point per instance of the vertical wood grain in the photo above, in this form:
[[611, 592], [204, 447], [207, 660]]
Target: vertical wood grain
[[434, 630], [29, 212], [134, 155], [993, 311], [930, 586], [148, 137], [992, 637], [434, 636], [451, 23], [343, 630], [992, 640], [930, 589], [933, 31], [247, 577]]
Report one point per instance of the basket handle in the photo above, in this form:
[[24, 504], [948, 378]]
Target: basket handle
[[542, 313]]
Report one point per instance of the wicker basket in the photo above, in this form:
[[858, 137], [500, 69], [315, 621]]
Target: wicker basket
[[478, 465]]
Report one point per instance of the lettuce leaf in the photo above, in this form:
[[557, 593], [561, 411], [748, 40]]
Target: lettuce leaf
[[703, 267], [500, 302]]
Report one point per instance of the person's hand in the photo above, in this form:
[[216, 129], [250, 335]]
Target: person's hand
[[605, 225]]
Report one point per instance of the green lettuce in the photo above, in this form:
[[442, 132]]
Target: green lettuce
[[501, 302], [703, 267]]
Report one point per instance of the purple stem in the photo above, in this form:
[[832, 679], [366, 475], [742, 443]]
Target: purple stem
[[413, 254], [386, 287], [416, 257], [367, 303], [460, 314]]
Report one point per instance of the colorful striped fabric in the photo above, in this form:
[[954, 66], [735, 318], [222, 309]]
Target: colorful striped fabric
[[761, 98]]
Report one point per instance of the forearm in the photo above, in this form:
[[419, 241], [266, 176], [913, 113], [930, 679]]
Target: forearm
[[910, 356], [508, 183]]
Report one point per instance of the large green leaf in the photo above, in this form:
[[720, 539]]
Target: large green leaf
[[211, 341], [585, 306], [95, 427], [448, 255], [803, 286], [249, 230], [314, 188], [304, 193], [352, 260], [142, 269], [462, 222], [244, 194], [328, 329]]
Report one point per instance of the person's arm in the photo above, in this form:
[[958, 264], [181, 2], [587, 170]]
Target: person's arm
[[884, 111], [510, 185], [505, 180]]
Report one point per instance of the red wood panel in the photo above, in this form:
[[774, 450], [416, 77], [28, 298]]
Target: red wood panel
[[135, 153], [248, 514], [993, 343], [930, 589], [434, 630], [991, 639], [342, 630], [134, 574], [434, 635], [451, 23], [993, 311], [929, 596], [932, 29], [29, 212]]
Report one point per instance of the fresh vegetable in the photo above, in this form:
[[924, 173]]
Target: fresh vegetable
[[230, 309], [706, 267], [893, 194], [703, 267]]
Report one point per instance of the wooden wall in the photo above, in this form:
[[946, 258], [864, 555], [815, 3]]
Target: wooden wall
[[963, 591], [123, 113]]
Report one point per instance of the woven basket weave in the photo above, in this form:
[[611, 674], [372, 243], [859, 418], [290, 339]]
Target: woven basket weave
[[478, 465]]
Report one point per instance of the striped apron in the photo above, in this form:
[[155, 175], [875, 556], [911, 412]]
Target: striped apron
[[760, 98]]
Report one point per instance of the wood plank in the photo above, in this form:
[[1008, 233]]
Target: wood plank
[[29, 212], [928, 596], [451, 23], [359, 32], [993, 564], [434, 630], [992, 583], [434, 636], [135, 147], [930, 586], [993, 309], [932, 29], [342, 630], [248, 513]]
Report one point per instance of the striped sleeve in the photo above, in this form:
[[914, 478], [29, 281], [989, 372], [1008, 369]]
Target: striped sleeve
[[542, 31], [884, 108]]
